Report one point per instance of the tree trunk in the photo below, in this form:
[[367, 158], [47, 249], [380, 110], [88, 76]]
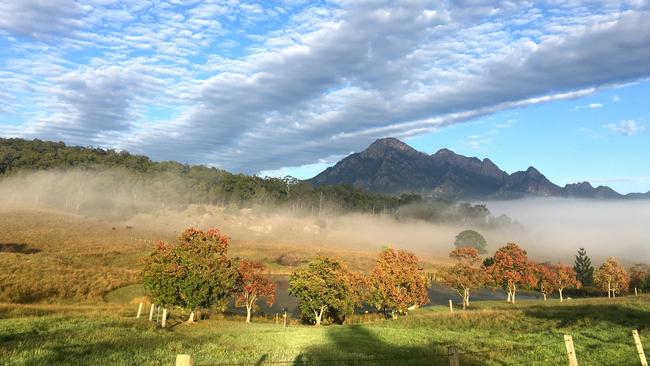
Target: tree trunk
[[514, 292], [561, 298], [191, 319], [543, 294], [248, 313], [609, 291], [509, 296], [319, 315]]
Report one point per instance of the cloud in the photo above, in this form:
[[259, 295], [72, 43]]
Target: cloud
[[259, 87], [590, 106], [626, 128], [41, 19]]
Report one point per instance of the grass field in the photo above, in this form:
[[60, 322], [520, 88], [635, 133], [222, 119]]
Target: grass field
[[490, 333]]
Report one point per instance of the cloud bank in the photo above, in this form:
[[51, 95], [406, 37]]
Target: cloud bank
[[260, 86]]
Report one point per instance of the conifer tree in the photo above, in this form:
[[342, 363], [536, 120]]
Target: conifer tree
[[583, 267]]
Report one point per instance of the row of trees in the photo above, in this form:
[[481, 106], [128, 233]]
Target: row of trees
[[511, 269], [196, 272]]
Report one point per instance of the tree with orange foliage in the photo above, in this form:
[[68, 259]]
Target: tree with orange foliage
[[396, 283], [512, 269], [566, 278], [547, 278], [466, 273], [253, 284], [611, 276]]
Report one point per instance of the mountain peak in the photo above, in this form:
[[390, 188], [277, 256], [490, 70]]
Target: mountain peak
[[389, 165], [381, 147]]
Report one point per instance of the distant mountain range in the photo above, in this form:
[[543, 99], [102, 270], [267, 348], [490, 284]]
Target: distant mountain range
[[390, 166]]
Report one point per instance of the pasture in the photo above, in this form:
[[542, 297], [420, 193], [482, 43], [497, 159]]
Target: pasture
[[489, 333]]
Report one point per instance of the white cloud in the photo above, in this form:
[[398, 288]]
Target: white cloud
[[254, 87], [627, 127]]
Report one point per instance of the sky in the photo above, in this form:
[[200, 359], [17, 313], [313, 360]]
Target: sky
[[277, 88]]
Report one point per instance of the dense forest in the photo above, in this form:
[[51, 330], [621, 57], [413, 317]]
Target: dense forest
[[84, 177]]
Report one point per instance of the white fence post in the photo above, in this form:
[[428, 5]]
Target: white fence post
[[184, 360], [139, 311], [639, 347], [570, 350]]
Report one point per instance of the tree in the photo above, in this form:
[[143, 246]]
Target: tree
[[612, 277], [471, 238], [192, 273], [466, 273], [583, 268], [253, 284], [640, 276], [512, 269], [566, 278], [547, 278], [323, 289], [396, 283]]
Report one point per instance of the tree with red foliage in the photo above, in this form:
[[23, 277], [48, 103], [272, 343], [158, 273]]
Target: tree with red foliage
[[566, 278], [253, 284], [512, 269], [396, 283], [547, 278], [466, 273], [611, 276]]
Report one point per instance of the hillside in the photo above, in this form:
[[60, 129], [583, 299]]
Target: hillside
[[391, 166]]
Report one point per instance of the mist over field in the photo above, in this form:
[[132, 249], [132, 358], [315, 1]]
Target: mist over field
[[553, 228], [556, 227]]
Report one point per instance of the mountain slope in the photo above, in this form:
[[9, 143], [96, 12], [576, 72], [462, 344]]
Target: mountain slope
[[390, 166]]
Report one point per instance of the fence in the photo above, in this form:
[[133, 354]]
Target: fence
[[452, 357]]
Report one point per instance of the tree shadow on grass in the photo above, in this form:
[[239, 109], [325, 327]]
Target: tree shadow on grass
[[616, 314], [358, 345]]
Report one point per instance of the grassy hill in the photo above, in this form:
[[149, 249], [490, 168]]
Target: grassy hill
[[490, 333]]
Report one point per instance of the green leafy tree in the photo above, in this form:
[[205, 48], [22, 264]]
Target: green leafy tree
[[472, 239], [324, 290], [193, 273], [583, 267]]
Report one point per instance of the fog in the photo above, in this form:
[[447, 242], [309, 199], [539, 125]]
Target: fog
[[556, 228], [553, 228]]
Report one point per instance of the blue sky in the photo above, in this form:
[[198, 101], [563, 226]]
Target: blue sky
[[290, 87]]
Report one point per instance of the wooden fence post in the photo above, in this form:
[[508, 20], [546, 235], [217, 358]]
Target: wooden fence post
[[451, 306], [184, 360], [163, 322], [570, 350], [639, 347], [635, 292], [139, 311], [454, 360], [151, 313], [285, 319]]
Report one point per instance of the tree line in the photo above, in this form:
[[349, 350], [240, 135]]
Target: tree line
[[122, 184], [196, 272]]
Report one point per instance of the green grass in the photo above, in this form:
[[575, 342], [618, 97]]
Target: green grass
[[490, 333]]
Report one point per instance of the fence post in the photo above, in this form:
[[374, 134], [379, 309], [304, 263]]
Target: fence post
[[635, 292], [285, 319], [184, 360], [451, 306], [151, 313], [139, 311], [163, 322], [454, 360], [570, 350], [639, 347]]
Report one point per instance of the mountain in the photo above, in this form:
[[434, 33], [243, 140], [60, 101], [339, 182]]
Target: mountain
[[390, 166]]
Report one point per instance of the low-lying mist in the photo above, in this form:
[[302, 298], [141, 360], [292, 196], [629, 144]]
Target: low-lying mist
[[556, 228], [553, 229]]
